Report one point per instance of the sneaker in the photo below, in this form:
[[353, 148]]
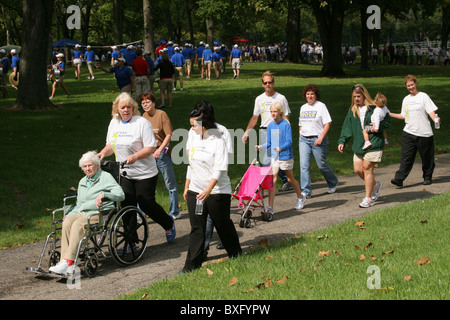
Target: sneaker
[[62, 268], [286, 187], [171, 233], [427, 182], [386, 142], [269, 209], [376, 190], [366, 203], [367, 145], [234, 77], [174, 89], [300, 203], [331, 190], [307, 196], [175, 216], [398, 183], [181, 89], [50, 98]]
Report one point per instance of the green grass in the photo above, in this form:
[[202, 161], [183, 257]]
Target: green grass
[[393, 240], [40, 149]]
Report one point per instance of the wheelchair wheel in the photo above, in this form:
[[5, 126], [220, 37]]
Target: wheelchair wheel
[[128, 235], [55, 256], [91, 266]]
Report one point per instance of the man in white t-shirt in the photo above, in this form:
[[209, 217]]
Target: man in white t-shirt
[[262, 108]]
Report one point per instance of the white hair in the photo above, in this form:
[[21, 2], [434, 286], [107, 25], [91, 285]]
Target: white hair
[[89, 156]]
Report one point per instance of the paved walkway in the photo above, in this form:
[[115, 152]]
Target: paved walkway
[[163, 260]]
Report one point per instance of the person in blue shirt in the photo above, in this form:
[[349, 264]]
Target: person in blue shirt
[[206, 61], [57, 76], [235, 60], [129, 55], [114, 55], [89, 56], [15, 65], [170, 50], [188, 53], [217, 61], [77, 57], [178, 63], [223, 51], [279, 142], [123, 74], [199, 54], [151, 64], [4, 69]]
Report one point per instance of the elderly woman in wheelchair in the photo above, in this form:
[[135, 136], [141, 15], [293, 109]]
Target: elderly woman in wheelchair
[[96, 191]]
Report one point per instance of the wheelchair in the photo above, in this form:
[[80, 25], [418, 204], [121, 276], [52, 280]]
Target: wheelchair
[[121, 233]]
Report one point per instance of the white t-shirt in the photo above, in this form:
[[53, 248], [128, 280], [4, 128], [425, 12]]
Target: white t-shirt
[[312, 119], [378, 115], [263, 103], [129, 138], [222, 130], [415, 109], [206, 157]]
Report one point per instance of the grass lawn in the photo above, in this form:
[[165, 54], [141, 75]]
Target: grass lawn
[[402, 248], [41, 149]]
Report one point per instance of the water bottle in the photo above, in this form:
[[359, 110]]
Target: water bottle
[[437, 125], [199, 207]]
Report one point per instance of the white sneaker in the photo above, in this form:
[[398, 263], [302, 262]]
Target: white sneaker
[[61, 268], [306, 196], [331, 190], [178, 216], [366, 203], [269, 209], [181, 89], [174, 89], [376, 190], [300, 203], [367, 145]]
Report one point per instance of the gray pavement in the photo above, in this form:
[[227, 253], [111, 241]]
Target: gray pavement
[[162, 260]]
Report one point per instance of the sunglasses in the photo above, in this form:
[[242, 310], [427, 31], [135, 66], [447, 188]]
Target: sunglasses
[[267, 82]]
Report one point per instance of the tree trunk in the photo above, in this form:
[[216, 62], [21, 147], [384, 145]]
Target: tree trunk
[[189, 16], [118, 21], [330, 21], [210, 31], [364, 39], [33, 88], [293, 33], [149, 33]]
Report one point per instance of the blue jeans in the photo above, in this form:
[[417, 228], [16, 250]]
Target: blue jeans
[[165, 166], [306, 146]]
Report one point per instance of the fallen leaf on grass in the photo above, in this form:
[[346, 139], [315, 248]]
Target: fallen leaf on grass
[[233, 281], [359, 223], [423, 261], [281, 281], [362, 257], [406, 278], [324, 253], [388, 252], [209, 272]]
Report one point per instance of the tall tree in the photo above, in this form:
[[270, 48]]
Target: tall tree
[[330, 21], [118, 21], [33, 88], [149, 32], [293, 32]]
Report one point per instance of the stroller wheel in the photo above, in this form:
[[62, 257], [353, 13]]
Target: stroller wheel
[[248, 214], [242, 223], [247, 223], [267, 216]]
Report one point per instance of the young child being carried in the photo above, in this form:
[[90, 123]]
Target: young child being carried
[[279, 142], [377, 116]]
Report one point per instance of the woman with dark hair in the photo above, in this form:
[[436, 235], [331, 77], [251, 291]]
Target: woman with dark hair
[[314, 124], [208, 190], [166, 71]]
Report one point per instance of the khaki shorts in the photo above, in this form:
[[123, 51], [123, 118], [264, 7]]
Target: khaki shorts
[[77, 62], [236, 63], [3, 80], [90, 65], [178, 72], [142, 85], [188, 65], [373, 156], [166, 84], [282, 164]]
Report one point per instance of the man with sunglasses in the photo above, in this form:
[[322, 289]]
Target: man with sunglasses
[[262, 108]]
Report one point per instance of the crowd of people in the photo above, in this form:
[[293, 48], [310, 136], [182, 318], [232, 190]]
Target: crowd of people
[[142, 141]]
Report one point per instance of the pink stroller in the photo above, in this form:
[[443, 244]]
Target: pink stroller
[[248, 192]]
